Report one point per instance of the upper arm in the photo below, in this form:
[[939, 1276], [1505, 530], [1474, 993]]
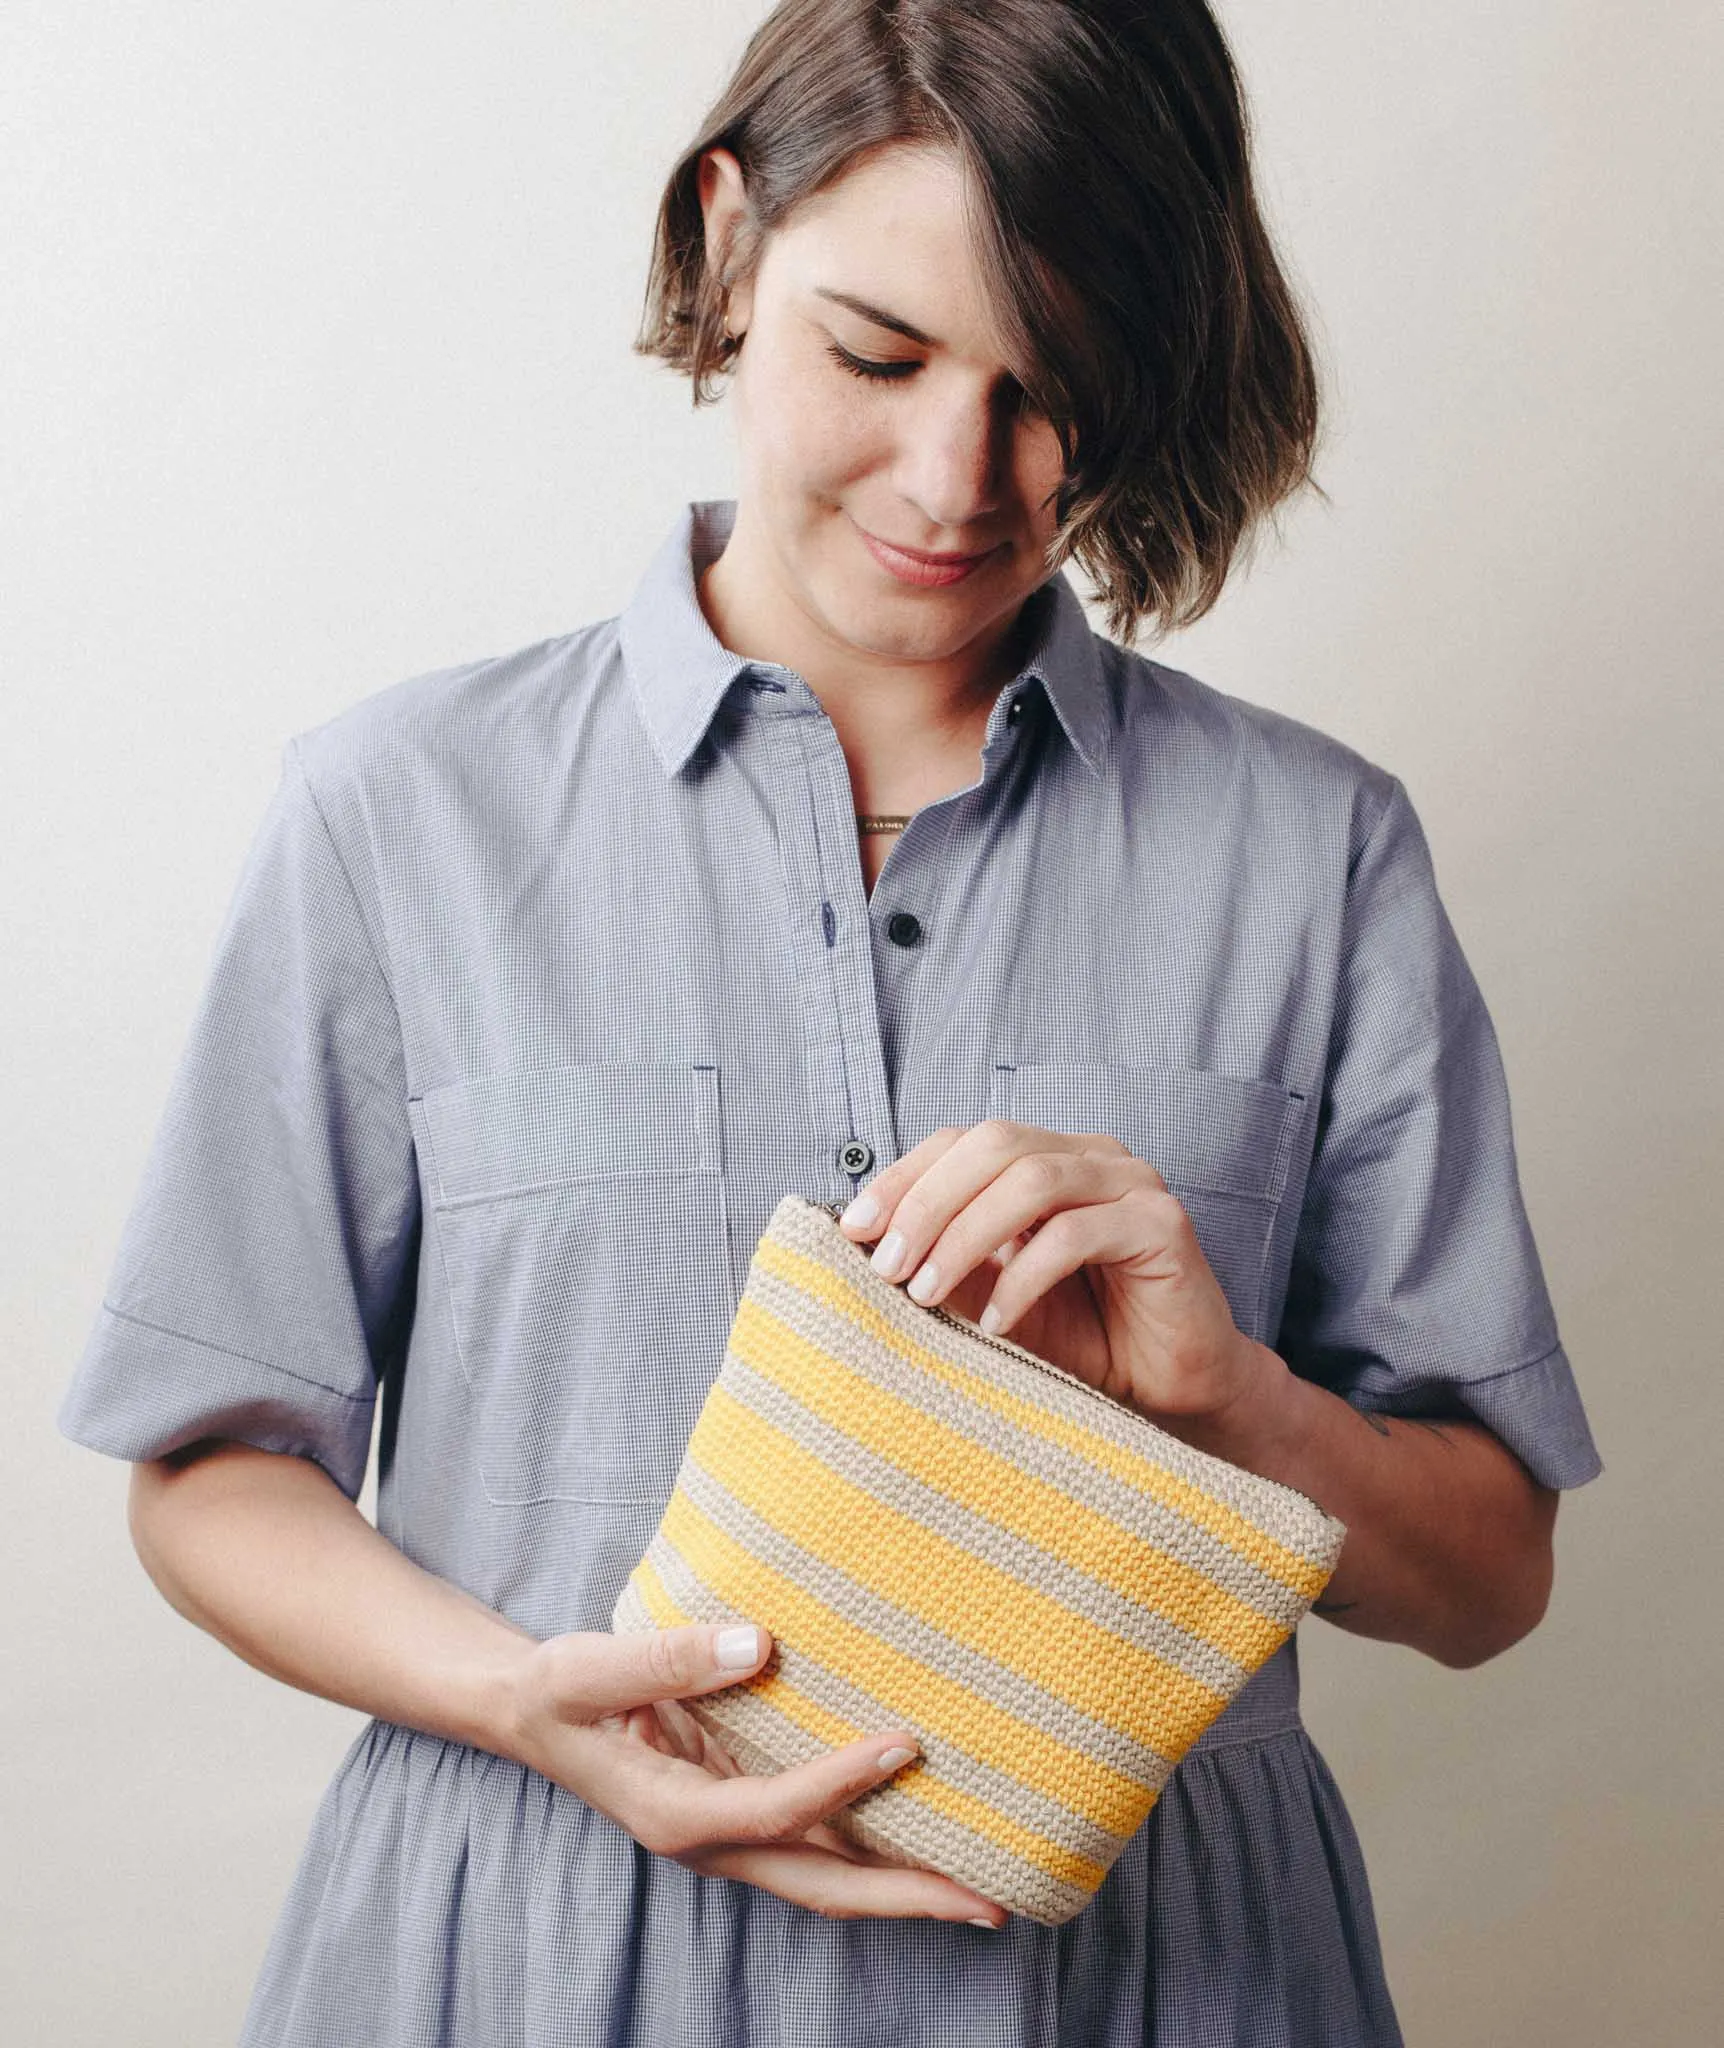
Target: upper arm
[[1415, 1287], [264, 1278]]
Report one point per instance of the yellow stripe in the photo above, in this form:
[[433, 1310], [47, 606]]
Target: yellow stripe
[[999, 1490], [1224, 1522], [1123, 1685], [1052, 1858]]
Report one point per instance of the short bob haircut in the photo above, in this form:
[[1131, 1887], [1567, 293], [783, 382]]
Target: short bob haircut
[[1103, 150]]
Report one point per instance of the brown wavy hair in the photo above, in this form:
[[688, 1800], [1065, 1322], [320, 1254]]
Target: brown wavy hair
[[1104, 151]]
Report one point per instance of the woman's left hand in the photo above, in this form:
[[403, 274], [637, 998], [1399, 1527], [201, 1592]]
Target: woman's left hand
[[1088, 1259]]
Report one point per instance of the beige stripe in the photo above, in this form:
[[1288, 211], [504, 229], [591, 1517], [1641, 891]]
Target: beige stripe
[[888, 1819], [1096, 1601], [1009, 1690], [885, 1820], [1138, 1512], [916, 1793], [1026, 1804], [1292, 1519]]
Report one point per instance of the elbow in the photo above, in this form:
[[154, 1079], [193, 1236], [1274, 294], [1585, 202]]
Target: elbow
[[156, 1503], [147, 1498], [1521, 1597]]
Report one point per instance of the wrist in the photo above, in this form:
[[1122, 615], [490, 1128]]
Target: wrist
[[499, 1697], [1254, 1427]]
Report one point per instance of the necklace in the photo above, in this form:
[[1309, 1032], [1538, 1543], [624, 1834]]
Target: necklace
[[879, 822]]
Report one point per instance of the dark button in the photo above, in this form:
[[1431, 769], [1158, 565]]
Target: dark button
[[1014, 710], [903, 929], [854, 1156]]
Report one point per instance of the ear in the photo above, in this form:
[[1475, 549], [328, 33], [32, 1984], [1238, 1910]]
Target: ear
[[724, 205]]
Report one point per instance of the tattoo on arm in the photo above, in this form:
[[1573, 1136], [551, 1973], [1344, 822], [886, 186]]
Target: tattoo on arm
[[1381, 1425]]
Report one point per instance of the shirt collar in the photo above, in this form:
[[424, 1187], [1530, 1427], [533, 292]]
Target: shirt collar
[[680, 672]]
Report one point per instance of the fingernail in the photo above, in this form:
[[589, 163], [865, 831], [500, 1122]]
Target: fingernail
[[738, 1647], [861, 1212], [893, 1758], [925, 1282], [888, 1254], [994, 1924], [991, 1320]]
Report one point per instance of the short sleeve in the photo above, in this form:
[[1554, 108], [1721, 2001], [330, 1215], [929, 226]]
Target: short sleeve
[[262, 1285], [1415, 1286]]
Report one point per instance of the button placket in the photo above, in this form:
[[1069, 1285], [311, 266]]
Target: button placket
[[833, 936]]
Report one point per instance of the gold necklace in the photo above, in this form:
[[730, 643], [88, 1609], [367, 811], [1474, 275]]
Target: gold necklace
[[880, 822]]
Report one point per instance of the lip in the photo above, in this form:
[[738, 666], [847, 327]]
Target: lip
[[912, 565]]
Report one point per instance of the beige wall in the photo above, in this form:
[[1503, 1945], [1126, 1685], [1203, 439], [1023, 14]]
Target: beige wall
[[317, 375]]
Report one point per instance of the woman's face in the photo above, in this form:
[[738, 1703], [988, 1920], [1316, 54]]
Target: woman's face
[[856, 437]]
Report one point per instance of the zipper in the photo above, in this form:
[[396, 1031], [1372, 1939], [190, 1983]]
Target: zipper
[[1042, 1365]]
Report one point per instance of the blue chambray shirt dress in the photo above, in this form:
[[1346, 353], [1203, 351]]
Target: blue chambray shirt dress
[[541, 964]]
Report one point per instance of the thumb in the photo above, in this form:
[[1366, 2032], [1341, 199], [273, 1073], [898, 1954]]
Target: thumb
[[672, 1663]]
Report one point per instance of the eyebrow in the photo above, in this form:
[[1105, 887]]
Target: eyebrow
[[879, 316]]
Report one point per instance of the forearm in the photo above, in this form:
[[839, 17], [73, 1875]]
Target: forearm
[[266, 1553], [1448, 1534]]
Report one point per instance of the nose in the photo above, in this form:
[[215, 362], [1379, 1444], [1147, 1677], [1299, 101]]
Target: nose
[[953, 457]]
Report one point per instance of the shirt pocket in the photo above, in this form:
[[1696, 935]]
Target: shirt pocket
[[1222, 1143], [581, 1216]]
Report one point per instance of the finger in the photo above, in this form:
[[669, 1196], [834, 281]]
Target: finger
[[684, 1732], [1006, 1179], [1143, 1233], [825, 1836], [832, 1885], [1018, 1205], [1093, 1234], [701, 1746], [885, 1188], [682, 1809], [591, 1673]]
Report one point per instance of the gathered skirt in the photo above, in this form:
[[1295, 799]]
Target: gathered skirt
[[449, 1898]]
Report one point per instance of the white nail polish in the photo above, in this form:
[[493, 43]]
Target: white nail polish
[[991, 1320], [925, 1282], [893, 1758], [861, 1212], [738, 1647], [888, 1254]]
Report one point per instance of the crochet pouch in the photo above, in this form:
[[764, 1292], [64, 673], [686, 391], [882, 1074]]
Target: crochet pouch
[[945, 1532]]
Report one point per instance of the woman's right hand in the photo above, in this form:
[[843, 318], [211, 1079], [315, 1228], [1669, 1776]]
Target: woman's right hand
[[596, 1713]]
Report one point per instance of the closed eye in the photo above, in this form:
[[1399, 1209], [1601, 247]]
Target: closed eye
[[865, 366], [896, 372]]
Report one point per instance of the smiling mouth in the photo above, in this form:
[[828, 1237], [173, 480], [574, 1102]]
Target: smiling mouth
[[927, 560], [926, 572]]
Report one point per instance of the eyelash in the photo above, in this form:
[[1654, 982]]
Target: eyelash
[[890, 373], [861, 366]]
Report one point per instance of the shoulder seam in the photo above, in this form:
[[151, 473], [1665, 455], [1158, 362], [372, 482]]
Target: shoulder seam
[[340, 861], [1395, 791]]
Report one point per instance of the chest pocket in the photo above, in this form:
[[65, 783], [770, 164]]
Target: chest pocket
[[1222, 1143], [581, 1216]]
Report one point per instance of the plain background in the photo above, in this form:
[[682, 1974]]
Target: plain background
[[317, 376]]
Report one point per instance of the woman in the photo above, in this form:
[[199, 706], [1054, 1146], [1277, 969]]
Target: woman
[[1131, 1007]]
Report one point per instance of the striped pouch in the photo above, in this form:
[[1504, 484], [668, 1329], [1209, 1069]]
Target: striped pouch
[[945, 1532]]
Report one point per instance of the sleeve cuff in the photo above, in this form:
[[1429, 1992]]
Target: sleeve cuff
[[140, 1392], [1535, 1409]]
